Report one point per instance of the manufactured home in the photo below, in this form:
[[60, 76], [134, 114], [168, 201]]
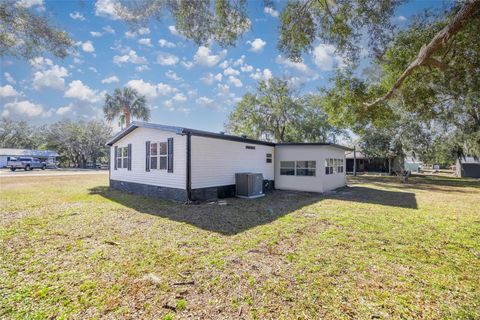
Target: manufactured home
[[186, 164], [467, 167]]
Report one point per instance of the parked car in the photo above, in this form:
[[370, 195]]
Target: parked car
[[26, 163]]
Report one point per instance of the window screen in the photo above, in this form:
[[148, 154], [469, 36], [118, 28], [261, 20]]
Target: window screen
[[287, 168], [305, 168]]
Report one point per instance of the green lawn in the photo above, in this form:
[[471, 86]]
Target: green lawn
[[72, 248]]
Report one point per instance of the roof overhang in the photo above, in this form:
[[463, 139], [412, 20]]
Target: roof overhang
[[184, 131], [324, 144], [137, 124]]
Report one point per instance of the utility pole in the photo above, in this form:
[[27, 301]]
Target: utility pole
[[354, 161]]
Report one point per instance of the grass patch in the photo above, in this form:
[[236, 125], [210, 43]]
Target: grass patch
[[72, 248]]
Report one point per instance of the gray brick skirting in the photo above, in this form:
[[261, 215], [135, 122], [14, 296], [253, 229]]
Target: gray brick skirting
[[175, 194], [180, 195]]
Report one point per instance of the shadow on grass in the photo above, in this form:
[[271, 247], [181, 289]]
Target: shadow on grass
[[239, 215], [405, 200], [421, 182]]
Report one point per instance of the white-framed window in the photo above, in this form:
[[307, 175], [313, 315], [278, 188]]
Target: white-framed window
[[287, 168], [328, 166], [340, 166], [333, 166], [158, 156], [298, 168], [305, 168], [122, 157], [269, 158]]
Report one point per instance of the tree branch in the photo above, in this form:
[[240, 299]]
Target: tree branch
[[425, 54]]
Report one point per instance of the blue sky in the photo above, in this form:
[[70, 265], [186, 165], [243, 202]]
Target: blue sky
[[185, 85]]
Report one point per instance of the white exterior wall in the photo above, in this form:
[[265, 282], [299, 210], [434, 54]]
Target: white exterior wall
[[138, 138], [215, 161], [318, 183]]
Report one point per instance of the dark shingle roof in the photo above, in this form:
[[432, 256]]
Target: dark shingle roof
[[195, 132]]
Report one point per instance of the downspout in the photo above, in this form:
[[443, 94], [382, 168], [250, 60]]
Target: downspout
[[189, 167], [354, 161]]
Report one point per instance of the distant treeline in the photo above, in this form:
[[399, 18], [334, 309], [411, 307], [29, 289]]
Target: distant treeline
[[77, 142]]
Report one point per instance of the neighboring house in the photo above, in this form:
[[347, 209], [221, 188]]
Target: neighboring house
[[412, 164], [186, 164], [49, 156], [468, 167], [373, 164]]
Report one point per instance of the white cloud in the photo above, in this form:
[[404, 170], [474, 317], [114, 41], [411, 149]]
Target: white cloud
[[145, 42], [64, 110], [204, 100], [52, 77], [170, 106], [187, 64], [9, 78], [77, 16], [210, 78], [271, 11], [165, 89], [144, 88], [30, 3], [93, 69], [143, 31], [22, 108], [130, 57], [204, 56], [142, 68], [40, 62], [166, 44], [401, 18], [172, 75], [246, 68], [298, 66], [209, 103], [95, 34], [87, 46], [130, 34], [224, 89], [77, 60], [266, 74], [224, 64], [180, 97], [231, 72], [150, 90], [174, 31], [235, 81], [112, 79], [325, 58], [256, 45], [78, 90], [167, 59], [108, 29], [107, 9], [240, 61], [8, 91]]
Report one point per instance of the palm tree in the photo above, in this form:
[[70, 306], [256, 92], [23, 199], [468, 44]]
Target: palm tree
[[126, 103]]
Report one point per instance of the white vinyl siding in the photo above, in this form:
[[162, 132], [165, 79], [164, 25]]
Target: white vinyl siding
[[138, 139], [309, 161], [215, 161]]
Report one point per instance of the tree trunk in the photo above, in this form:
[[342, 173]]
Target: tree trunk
[[426, 52], [127, 116]]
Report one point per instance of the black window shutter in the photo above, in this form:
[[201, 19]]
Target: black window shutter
[[147, 156], [129, 157], [115, 158], [170, 154]]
